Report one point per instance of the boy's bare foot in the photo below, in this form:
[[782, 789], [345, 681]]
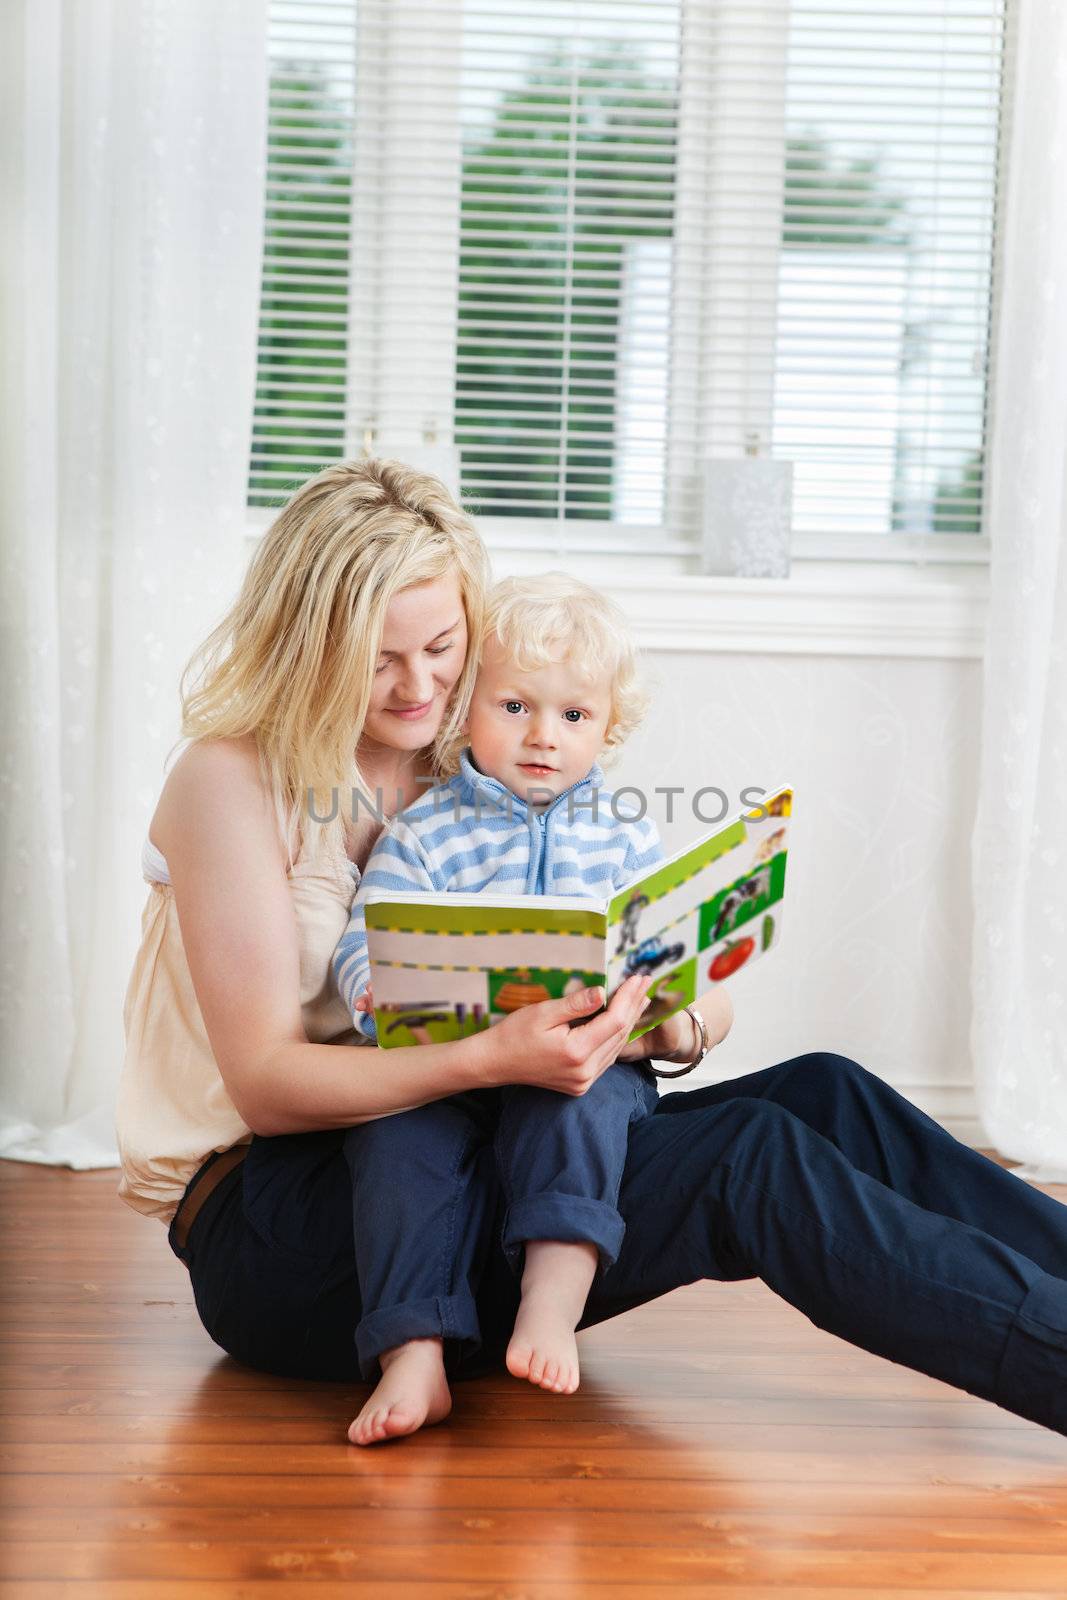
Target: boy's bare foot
[[412, 1393], [543, 1348], [555, 1283]]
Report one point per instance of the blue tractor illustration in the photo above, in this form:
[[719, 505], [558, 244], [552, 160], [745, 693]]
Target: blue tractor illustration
[[650, 954]]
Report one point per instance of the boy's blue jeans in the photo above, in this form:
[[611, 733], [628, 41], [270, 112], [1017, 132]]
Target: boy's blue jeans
[[419, 1196], [813, 1175]]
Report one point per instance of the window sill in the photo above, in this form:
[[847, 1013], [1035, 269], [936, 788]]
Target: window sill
[[842, 605], [832, 615], [841, 608]]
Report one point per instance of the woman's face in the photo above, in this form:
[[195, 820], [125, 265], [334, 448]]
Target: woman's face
[[424, 646]]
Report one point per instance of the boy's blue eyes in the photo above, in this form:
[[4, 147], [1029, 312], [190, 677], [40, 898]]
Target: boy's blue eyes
[[572, 714]]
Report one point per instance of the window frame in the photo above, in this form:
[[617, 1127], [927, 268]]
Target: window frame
[[910, 570]]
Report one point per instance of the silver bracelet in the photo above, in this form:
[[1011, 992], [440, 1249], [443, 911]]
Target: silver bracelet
[[705, 1046]]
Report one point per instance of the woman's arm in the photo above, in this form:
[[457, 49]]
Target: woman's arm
[[717, 1009], [216, 827]]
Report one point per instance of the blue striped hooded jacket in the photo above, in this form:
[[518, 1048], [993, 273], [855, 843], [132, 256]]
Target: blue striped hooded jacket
[[472, 834]]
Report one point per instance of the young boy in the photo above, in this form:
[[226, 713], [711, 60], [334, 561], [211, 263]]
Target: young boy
[[556, 687]]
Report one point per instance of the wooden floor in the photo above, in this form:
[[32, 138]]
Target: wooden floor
[[719, 1444]]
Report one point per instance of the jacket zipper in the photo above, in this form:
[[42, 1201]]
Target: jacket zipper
[[538, 881]]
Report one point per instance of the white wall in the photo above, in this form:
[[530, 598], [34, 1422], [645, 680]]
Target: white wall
[[875, 954]]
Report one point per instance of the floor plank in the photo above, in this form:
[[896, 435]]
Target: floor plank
[[719, 1444]]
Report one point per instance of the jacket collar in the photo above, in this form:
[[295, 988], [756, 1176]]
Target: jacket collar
[[494, 795]]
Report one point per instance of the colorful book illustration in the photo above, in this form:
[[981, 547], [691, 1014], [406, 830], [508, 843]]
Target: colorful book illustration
[[446, 965]]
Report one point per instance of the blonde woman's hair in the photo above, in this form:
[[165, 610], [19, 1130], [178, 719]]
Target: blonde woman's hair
[[292, 663], [554, 617]]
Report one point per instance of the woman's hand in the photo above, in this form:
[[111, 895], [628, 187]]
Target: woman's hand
[[539, 1046]]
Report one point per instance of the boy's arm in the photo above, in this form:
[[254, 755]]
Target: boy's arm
[[643, 849], [397, 862]]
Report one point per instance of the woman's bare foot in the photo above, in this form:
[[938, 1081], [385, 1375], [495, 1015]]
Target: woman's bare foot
[[555, 1283], [412, 1393]]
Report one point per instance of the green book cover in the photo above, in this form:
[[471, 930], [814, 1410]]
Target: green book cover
[[446, 965]]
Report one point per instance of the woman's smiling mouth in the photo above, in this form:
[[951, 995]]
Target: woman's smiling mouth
[[410, 713]]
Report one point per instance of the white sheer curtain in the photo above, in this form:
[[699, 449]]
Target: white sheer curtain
[[1019, 855], [133, 157]]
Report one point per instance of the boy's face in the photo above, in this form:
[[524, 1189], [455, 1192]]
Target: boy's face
[[539, 730]]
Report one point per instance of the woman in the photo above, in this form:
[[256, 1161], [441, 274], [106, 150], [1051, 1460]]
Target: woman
[[344, 665]]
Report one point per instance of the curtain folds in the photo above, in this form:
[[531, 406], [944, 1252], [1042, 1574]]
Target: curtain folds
[[133, 157], [1019, 853], [133, 160]]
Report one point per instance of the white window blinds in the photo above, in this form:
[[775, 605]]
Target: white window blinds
[[595, 244], [301, 412], [885, 270]]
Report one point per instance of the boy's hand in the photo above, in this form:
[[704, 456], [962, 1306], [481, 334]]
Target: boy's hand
[[365, 1002], [673, 1039]]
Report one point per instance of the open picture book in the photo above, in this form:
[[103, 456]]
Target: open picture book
[[445, 965]]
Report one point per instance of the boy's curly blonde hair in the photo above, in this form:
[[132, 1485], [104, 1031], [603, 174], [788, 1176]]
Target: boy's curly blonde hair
[[554, 617]]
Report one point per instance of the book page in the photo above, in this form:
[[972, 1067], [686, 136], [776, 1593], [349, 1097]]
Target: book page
[[444, 967], [698, 918]]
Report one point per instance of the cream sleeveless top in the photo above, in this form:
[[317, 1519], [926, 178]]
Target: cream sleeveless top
[[173, 1110]]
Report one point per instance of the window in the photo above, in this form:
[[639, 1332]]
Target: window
[[593, 244]]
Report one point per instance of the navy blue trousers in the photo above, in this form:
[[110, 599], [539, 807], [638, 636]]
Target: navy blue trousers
[[559, 1161], [813, 1175]]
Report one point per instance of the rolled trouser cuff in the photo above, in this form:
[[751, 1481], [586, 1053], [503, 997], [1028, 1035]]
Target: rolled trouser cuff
[[569, 1218], [1032, 1379], [452, 1317]]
